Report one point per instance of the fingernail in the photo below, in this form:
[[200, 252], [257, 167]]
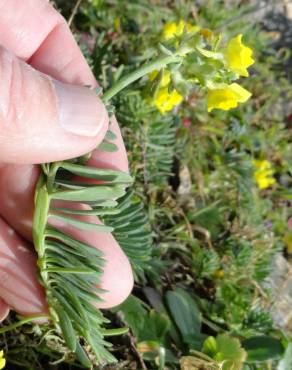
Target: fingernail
[[81, 111]]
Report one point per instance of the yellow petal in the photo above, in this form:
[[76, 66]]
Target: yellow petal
[[173, 29], [221, 99], [180, 27], [166, 101], [175, 98], [242, 94], [192, 28], [261, 164], [2, 363], [238, 56], [227, 97], [169, 30]]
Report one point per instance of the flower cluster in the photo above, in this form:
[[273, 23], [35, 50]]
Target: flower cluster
[[204, 61], [263, 173]]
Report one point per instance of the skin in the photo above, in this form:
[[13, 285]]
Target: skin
[[33, 34]]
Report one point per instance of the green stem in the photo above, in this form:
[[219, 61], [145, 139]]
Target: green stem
[[41, 213], [140, 72], [52, 175], [22, 322]]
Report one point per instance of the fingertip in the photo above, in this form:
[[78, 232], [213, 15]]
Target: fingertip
[[118, 278]]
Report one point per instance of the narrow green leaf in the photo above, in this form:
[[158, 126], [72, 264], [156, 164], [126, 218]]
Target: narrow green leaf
[[82, 356], [70, 310], [82, 224], [88, 212], [90, 194], [73, 243], [98, 173], [114, 332], [67, 329], [72, 270]]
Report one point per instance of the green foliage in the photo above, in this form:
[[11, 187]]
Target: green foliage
[[225, 350], [202, 298], [185, 314], [262, 348], [70, 270]]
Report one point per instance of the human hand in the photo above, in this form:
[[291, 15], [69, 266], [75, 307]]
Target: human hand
[[44, 119]]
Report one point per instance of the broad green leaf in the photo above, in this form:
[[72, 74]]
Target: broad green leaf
[[156, 326], [134, 313], [263, 348], [229, 352], [184, 312]]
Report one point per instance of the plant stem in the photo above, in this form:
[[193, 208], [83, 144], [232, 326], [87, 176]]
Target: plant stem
[[22, 322], [140, 72]]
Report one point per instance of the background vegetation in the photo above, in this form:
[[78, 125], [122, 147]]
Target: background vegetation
[[206, 294]]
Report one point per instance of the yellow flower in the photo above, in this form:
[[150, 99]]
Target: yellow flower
[[227, 97], [117, 24], [165, 78], [2, 360], [238, 56], [264, 173], [173, 29], [166, 101]]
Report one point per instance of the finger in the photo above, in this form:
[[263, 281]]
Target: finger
[[17, 184], [43, 120], [41, 40], [19, 287], [35, 31]]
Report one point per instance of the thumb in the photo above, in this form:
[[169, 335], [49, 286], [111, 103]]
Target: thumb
[[44, 120]]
